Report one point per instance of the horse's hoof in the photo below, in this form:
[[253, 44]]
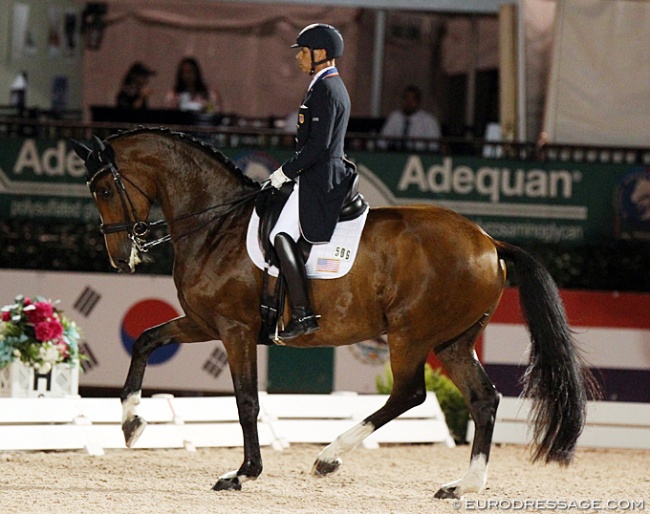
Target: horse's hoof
[[132, 429], [322, 468], [227, 484], [448, 493]]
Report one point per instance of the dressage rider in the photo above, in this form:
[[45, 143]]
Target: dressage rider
[[320, 174]]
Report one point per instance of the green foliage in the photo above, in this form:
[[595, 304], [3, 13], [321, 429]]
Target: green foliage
[[449, 397]]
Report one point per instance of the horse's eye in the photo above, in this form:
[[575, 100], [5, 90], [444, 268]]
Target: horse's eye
[[105, 194]]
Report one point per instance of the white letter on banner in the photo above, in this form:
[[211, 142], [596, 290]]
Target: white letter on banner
[[566, 179], [508, 189], [58, 156], [537, 184], [28, 158], [75, 166], [487, 182], [413, 174], [439, 177], [463, 178]]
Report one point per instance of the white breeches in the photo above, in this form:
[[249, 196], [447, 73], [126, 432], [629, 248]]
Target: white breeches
[[289, 220]]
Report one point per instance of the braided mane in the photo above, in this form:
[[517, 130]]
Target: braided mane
[[206, 148]]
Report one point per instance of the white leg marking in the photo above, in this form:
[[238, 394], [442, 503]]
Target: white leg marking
[[346, 442], [233, 474], [130, 406], [474, 479]]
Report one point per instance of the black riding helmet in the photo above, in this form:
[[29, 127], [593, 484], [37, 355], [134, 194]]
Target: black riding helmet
[[320, 35]]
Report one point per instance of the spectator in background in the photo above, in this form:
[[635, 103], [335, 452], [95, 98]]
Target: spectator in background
[[190, 92], [135, 90], [410, 122]]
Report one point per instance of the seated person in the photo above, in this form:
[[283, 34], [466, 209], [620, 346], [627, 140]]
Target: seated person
[[190, 92], [410, 122], [135, 90]]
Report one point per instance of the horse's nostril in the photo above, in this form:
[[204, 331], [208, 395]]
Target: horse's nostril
[[123, 265]]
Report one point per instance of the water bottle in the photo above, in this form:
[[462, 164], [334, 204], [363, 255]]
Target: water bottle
[[19, 91]]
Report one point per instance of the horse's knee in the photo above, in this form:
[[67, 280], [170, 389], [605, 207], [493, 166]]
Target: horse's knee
[[145, 344]]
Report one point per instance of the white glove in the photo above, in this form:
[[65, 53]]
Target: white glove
[[278, 178]]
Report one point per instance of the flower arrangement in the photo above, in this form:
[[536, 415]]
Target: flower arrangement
[[38, 334]]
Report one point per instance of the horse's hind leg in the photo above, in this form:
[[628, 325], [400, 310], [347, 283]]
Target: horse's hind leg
[[408, 392], [178, 330], [459, 359]]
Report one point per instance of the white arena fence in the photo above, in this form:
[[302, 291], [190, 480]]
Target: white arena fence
[[94, 424], [609, 424]]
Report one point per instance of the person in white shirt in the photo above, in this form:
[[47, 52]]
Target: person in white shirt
[[411, 123]]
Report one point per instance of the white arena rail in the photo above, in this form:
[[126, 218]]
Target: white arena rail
[[609, 424], [322, 418], [94, 424]]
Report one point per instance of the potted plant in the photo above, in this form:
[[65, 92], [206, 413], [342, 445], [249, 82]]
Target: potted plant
[[449, 397], [39, 350]]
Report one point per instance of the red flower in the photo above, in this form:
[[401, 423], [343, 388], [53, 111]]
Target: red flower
[[27, 301], [6, 316], [62, 346], [48, 330], [41, 312]]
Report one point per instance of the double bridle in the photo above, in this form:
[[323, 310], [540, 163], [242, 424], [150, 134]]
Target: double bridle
[[137, 229]]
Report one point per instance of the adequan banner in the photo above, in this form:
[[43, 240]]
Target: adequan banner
[[43, 179], [517, 201]]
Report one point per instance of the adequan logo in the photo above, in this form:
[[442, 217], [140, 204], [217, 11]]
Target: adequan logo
[[633, 205]]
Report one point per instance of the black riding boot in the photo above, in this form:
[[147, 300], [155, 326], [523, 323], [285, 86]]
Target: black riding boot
[[292, 264]]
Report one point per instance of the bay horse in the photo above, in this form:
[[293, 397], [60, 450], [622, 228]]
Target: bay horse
[[425, 276]]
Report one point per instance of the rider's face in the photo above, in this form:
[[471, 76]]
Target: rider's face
[[304, 59]]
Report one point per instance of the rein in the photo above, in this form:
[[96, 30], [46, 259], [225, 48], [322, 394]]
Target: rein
[[138, 230]]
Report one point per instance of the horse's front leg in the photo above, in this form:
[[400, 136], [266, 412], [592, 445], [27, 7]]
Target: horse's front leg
[[408, 392], [178, 330], [242, 357]]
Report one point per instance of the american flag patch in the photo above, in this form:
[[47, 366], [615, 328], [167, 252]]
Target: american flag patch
[[331, 265]]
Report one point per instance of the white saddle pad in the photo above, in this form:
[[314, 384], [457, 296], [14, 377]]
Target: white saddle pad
[[331, 260]]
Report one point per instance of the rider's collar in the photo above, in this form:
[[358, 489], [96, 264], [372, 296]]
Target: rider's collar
[[320, 74]]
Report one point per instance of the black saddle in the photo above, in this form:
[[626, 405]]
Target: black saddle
[[354, 204], [269, 204]]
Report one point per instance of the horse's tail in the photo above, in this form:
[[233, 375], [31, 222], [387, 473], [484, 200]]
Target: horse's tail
[[557, 379]]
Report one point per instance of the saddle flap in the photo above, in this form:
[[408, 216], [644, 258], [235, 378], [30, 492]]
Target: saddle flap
[[268, 206]]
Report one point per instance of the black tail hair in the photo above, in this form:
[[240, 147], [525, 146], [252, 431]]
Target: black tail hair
[[557, 380]]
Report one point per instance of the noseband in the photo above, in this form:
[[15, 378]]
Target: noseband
[[138, 230]]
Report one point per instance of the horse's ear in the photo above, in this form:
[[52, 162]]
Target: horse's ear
[[80, 149], [98, 144]]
